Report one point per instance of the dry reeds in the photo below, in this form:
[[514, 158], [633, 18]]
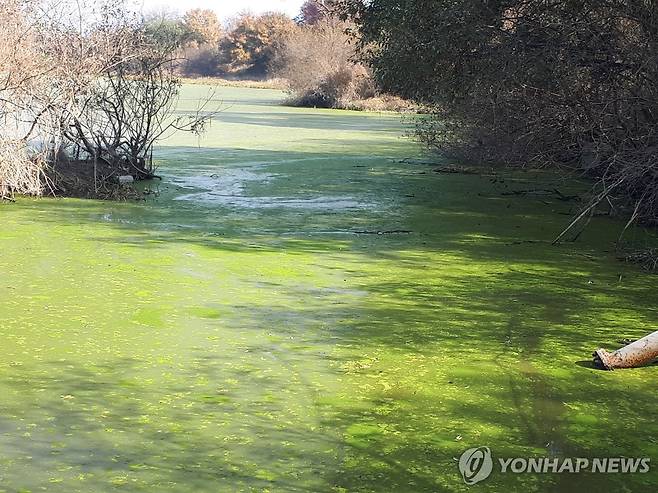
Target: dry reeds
[[20, 173]]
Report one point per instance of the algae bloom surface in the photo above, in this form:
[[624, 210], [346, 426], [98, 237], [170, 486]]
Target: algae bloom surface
[[306, 307]]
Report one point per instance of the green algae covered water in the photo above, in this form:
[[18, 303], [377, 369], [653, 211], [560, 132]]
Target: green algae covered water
[[306, 307]]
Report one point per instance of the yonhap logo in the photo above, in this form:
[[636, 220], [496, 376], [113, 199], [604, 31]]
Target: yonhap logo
[[476, 465]]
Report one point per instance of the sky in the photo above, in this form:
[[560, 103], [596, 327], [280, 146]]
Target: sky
[[224, 8]]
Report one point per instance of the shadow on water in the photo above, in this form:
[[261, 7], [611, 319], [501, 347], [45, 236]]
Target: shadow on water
[[329, 121], [106, 426]]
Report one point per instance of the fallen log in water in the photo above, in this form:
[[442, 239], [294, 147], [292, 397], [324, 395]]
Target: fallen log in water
[[639, 353]]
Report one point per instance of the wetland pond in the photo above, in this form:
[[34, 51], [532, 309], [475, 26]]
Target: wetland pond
[[305, 306]]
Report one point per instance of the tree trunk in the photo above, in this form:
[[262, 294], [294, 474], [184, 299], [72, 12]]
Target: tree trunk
[[639, 353]]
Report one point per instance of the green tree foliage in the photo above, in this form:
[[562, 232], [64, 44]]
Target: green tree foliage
[[529, 81], [167, 33]]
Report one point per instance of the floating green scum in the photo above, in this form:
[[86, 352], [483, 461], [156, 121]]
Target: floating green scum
[[306, 305]]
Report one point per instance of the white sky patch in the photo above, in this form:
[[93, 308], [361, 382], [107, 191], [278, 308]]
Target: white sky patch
[[224, 9]]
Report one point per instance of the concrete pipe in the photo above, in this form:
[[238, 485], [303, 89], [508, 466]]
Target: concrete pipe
[[639, 353]]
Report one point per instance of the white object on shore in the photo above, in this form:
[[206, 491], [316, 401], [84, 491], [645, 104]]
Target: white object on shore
[[123, 180]]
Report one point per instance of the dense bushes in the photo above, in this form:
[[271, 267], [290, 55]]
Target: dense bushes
[[318, 63], [251, 43], [200, 61], [202, 27], [572, 84]]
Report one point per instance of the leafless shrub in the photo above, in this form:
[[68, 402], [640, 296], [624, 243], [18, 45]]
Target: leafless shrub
[[86, 80], [319, 63], [20, 172], [22, 71], [124, 112]]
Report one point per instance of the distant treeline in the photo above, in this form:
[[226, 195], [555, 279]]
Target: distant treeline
[[315, 54]]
